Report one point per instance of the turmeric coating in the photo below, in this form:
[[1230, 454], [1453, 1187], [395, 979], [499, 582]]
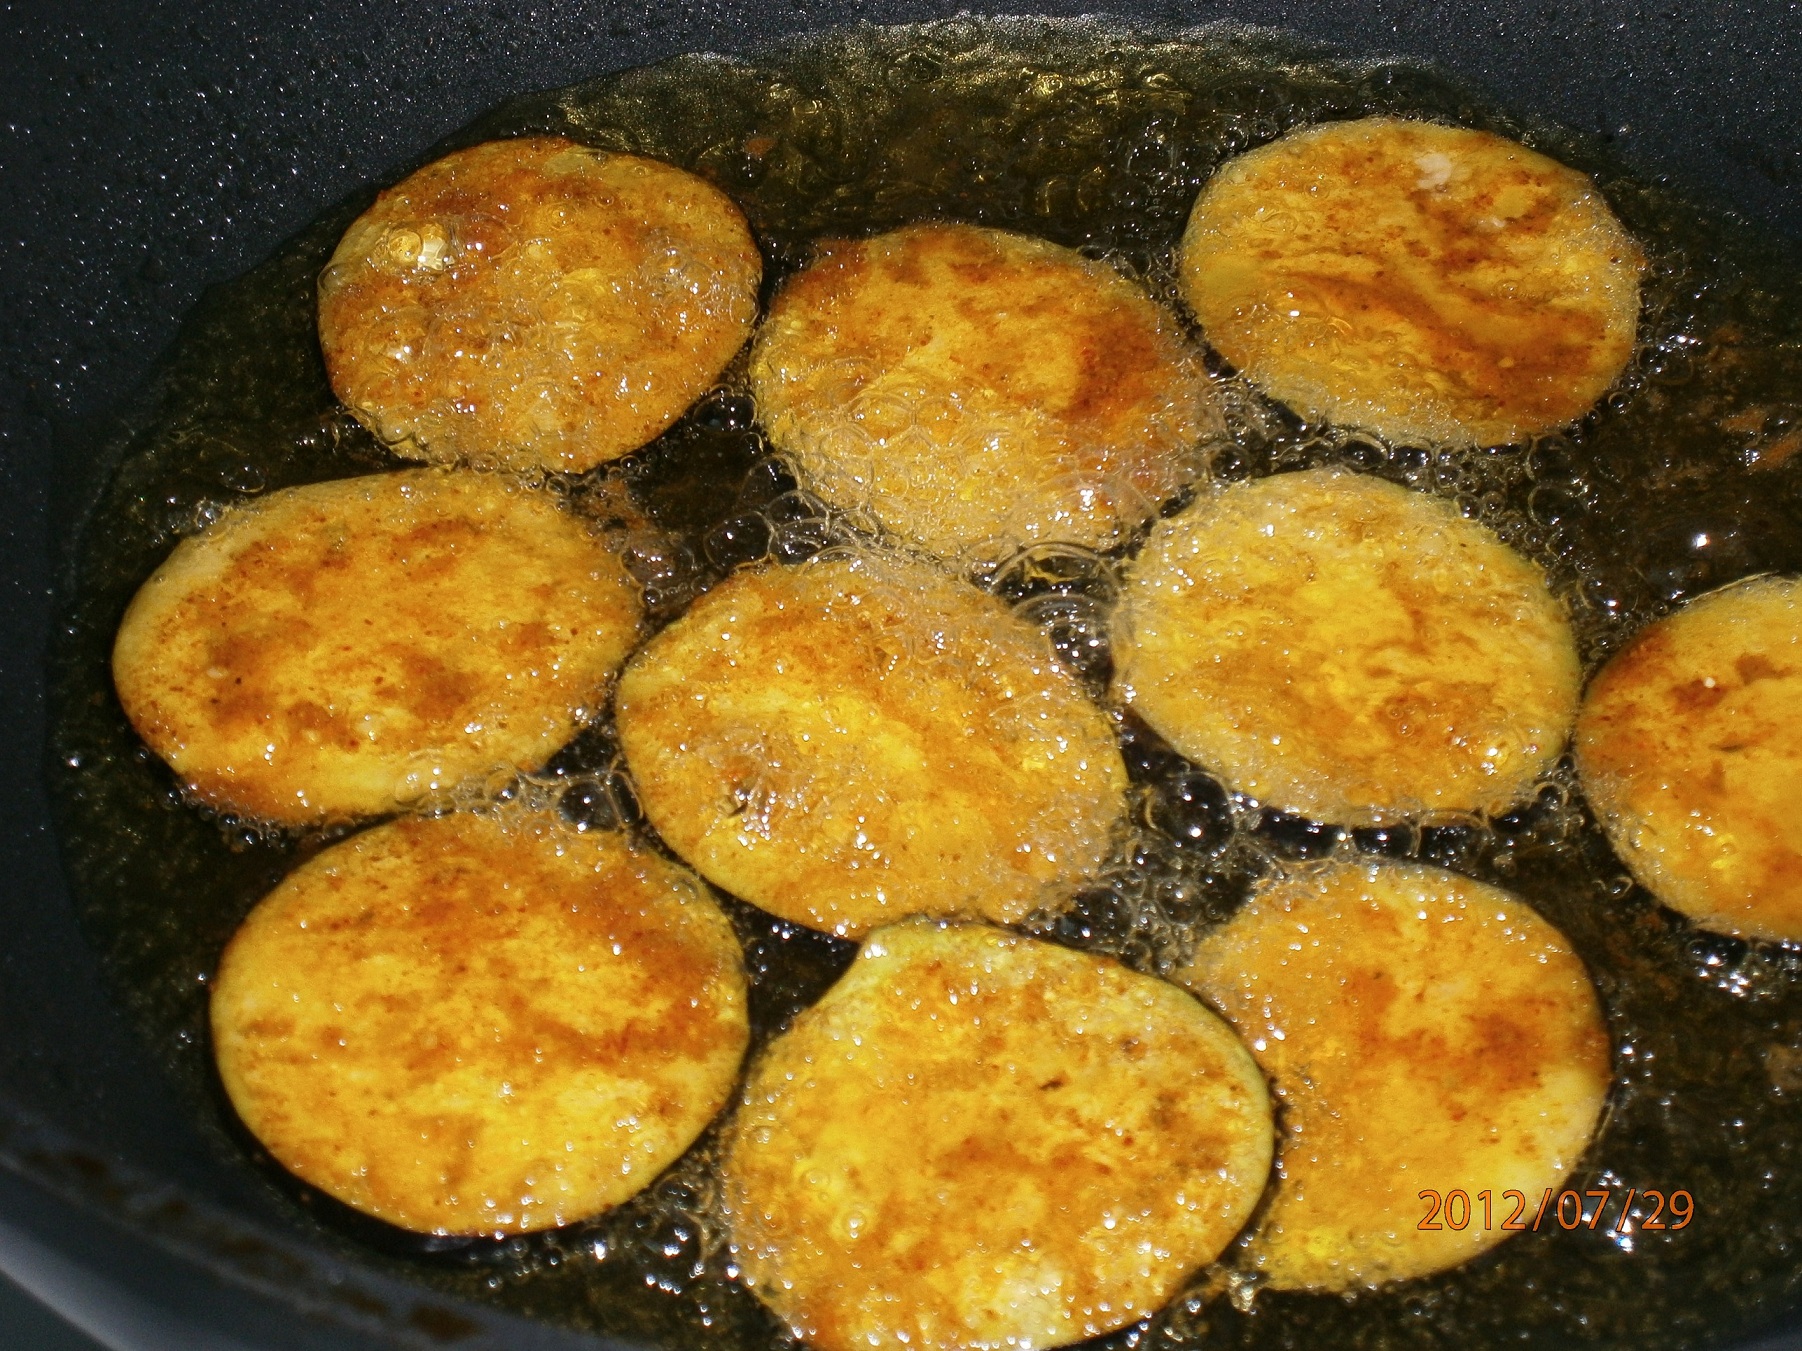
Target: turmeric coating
[[864, 738], [1430, 284], [536, 303], [1337, 646], [348, 648], [465, 1026], [975, 391], [979, 1140], [1689, 744], [1424, 1032]]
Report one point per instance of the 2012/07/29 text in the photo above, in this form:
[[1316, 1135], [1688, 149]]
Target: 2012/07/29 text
[[1457, 1209]]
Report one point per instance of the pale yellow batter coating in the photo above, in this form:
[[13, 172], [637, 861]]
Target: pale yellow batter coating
[[461, 1026], [978, 1140], [345, 648], [1690, 748], [1424, 1032], [863, 738], [1337, 646], [1427, 283], [975, 390], [534, 302]]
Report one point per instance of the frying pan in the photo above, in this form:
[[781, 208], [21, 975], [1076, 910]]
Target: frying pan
[[150, 151]]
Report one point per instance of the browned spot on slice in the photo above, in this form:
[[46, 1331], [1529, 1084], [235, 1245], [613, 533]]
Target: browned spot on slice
[[1698, 694], [1756, 666]]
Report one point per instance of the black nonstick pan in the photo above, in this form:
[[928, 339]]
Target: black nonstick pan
[[153, 151]]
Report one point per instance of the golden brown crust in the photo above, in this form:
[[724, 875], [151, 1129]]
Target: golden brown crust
[[1690, 748], [860, 739], [535, 302], [461, 1026], [975, 390], [1337, 646], [344, 648], [1424, 1031], [979, 1140], [1428, 283]]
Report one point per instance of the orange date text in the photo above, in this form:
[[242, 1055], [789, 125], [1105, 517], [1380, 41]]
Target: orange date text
[[1516, 1211]]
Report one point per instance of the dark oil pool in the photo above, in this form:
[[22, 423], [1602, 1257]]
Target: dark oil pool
[[1688, 476]]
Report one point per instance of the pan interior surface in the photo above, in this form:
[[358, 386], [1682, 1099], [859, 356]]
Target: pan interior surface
[[1098, 138]]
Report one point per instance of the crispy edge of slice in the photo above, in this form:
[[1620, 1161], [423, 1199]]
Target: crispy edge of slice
[[1019, 1145], [461, 1026]]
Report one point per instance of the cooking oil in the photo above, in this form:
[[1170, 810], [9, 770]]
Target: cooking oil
[[1097, 137]]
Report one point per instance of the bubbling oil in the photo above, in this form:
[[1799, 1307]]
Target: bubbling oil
[[1096, 137]]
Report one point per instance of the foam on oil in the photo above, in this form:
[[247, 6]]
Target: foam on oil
[[1097, 138]]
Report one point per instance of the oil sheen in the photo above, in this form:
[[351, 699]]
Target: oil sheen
[[1098, 138]]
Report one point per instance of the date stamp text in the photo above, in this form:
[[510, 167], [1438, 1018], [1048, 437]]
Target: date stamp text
[[1516, 1211]]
